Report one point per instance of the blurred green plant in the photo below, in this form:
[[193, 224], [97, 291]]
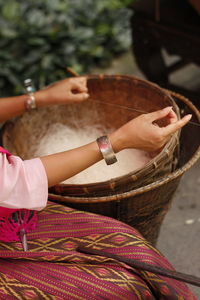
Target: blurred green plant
[[40, 38]]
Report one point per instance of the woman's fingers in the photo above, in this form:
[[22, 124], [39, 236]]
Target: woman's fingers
[[78, 88], [159, 114], [173, 127], [172, 117], [79, 84], [166, 112], [79, 97]]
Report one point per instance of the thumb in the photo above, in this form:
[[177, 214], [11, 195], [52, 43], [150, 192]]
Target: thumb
[[80, 96], [159, 114]]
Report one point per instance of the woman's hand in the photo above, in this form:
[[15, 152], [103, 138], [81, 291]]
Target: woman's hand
[[64, 91], [143, 133]]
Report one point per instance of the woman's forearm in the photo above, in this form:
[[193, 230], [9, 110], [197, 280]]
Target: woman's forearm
[[15, 106], [61, 166], [11, 107]]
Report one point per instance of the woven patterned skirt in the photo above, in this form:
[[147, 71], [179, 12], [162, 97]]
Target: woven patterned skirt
[[53, 269]]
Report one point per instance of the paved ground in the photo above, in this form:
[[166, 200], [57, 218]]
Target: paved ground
[[179, 238]]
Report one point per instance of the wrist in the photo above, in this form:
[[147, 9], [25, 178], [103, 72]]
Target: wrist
[[116, 141], [41, 98]]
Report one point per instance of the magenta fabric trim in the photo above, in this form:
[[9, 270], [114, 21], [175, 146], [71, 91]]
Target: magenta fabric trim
[[2, 150]]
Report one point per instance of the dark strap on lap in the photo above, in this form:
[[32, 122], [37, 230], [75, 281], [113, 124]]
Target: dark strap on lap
[[144, 266]]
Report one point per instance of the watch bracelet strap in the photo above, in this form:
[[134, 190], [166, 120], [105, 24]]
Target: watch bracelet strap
[[30, 102]]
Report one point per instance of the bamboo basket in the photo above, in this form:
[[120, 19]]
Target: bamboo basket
[[140, 198]]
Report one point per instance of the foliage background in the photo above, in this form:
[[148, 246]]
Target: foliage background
[[40, 38]]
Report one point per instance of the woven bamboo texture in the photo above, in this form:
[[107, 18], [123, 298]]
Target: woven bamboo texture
[[141, 198]]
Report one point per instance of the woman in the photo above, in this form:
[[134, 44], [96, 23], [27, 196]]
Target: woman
[[53, 268]]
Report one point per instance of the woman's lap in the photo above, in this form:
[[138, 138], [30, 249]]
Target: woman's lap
[[54, 269]]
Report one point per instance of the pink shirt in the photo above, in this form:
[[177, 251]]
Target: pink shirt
[[23, 184]]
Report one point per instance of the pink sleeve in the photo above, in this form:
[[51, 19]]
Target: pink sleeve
[[23, 183]]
